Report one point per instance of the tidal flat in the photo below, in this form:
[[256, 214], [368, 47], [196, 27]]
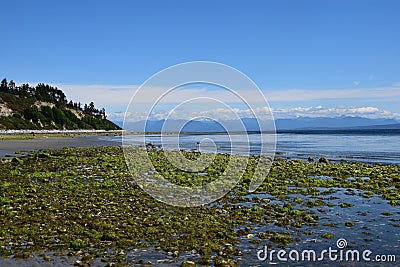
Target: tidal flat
[[81, 206]]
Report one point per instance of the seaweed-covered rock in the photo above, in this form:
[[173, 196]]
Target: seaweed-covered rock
[[44, 155], [17, 160], [324, 160]]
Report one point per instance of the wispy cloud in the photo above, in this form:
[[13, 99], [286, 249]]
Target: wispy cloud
[[319, 111], [293, 95], [101, 94], [397, 84], [121, 94]]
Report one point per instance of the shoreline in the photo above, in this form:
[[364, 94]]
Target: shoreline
[[36, 134], [19, 147], [10, 148], [20, 143], [53, 131]]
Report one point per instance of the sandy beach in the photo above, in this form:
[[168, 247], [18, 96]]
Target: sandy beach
[[9, 147]]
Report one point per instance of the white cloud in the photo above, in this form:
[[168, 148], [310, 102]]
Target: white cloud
[[263, 113]]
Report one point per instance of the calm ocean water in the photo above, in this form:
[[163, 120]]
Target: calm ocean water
[[365, 147]]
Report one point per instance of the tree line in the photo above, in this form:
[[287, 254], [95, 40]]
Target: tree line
[[61, 114], [46, 93]]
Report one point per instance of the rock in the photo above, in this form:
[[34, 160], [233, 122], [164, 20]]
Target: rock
[[79, 263], [327, 235], [187, 263], [47, 258], [323, 160], [17, 160], [310, 159], [44, 155]]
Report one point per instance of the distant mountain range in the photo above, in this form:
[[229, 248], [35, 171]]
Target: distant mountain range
[[250, 124]]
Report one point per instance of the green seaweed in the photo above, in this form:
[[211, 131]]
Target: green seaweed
[[84, 201]]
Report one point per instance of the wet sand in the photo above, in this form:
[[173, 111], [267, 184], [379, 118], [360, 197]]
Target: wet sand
[[9, 147]]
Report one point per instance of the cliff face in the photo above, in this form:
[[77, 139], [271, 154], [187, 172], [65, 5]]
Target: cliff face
[[4, 110], [46, 107]]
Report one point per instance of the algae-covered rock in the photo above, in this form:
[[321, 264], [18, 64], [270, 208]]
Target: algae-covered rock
[[324, 160], [17, 160]]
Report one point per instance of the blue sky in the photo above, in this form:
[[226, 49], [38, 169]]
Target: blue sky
[[309, 57]]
